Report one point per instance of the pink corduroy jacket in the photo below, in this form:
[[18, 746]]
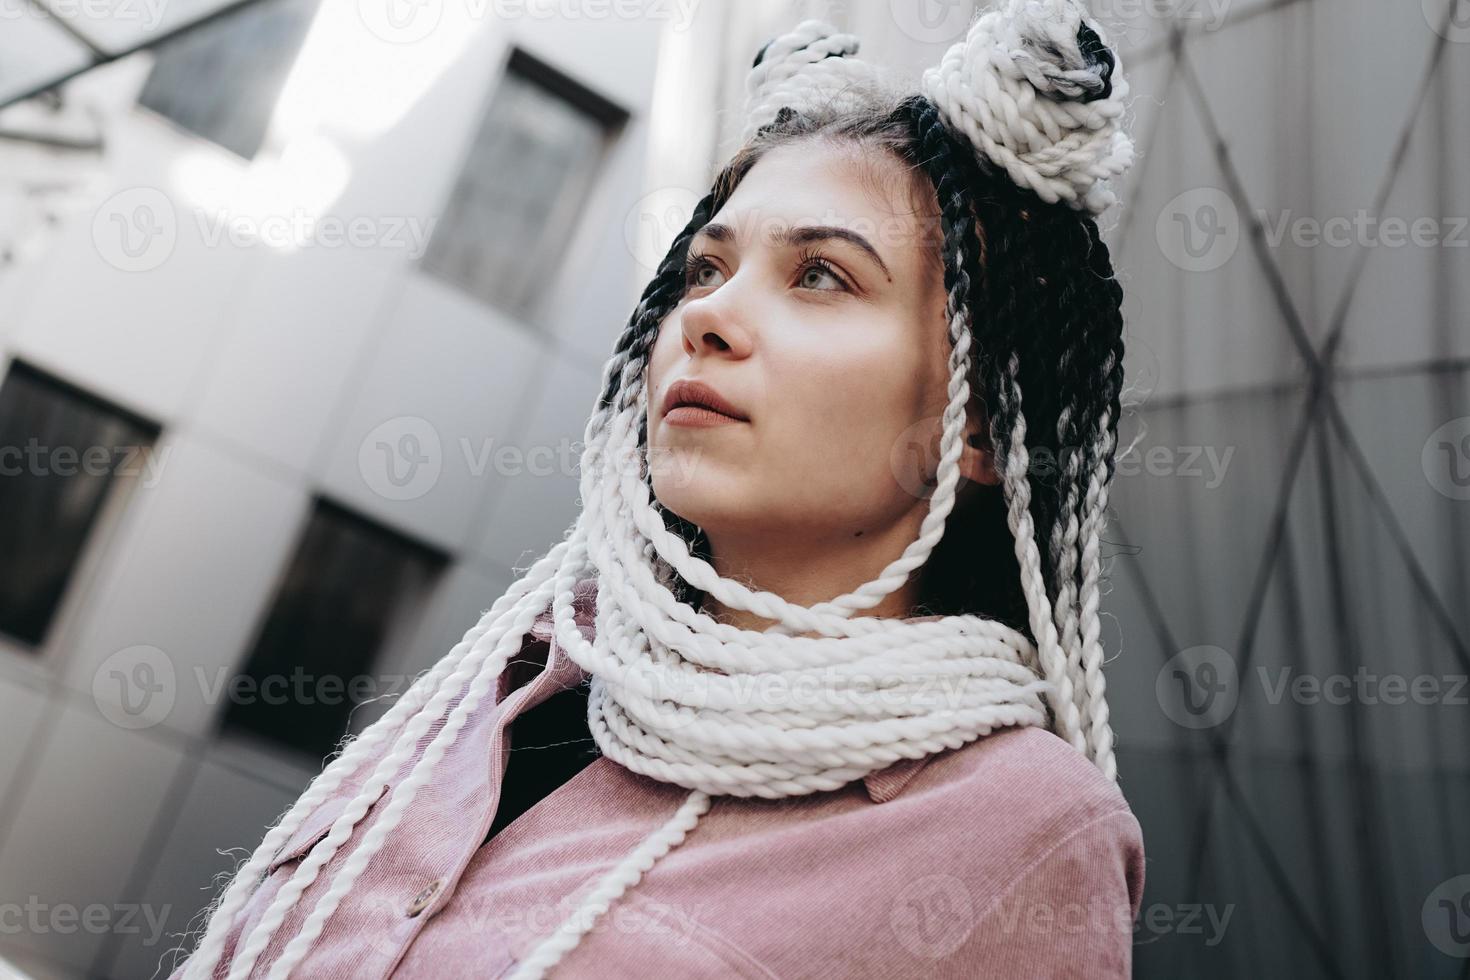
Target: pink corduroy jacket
[[1011, 856]]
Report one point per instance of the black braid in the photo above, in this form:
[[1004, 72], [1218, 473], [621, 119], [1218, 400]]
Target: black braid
[[952, 581], [1092, 358], [1097, 53], [1043, 290], [1110, 368]]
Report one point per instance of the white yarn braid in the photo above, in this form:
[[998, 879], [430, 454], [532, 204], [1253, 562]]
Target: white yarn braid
[[716, 709], [1076, 546], [1064, 546], [1016, 85], [810, 66], [1100, 734], [365, 746]]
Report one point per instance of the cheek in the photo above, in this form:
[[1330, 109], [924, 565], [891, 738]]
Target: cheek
[[844, 404], [664, 354]]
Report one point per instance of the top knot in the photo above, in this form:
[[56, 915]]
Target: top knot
[[1038, 91], [812, 65]]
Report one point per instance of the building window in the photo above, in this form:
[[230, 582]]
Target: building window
[[350, 588], [61, 450], [222, 80], [523, 184]]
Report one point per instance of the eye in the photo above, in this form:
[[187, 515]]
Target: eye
[[814, 267], [695, 265]]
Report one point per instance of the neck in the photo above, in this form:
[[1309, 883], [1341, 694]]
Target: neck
[[809, 570]]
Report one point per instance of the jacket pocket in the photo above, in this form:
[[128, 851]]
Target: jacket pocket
[[317, 825]]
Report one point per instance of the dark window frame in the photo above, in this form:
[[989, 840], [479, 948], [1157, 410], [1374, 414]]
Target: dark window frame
[[147, 432], [326, 723], [612, 120]]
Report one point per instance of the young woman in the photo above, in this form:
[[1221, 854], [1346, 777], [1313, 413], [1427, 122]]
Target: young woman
[[813, 686]]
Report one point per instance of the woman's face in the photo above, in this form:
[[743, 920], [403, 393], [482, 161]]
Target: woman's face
[[816, 308]]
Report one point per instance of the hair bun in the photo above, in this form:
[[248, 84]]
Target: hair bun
[[811, 65], [1039, 92]]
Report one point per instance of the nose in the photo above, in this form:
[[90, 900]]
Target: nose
[[716, 323]]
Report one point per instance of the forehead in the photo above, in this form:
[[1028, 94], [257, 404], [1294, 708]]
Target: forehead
[[816, 183]]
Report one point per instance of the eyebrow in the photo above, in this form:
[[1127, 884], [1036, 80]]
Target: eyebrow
[[803, 235]]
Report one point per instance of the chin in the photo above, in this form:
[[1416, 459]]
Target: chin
[[690, 473], [703, 500]]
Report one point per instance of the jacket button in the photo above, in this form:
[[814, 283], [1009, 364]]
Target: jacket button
[[423, 898]]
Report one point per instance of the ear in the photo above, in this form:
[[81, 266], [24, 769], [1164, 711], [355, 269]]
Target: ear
[[977, 460]]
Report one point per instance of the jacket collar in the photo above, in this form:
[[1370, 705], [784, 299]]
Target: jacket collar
[[884, 784]]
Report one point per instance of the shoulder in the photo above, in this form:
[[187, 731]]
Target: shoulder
[[1041, 851], [1019, 795], [1029, 770]]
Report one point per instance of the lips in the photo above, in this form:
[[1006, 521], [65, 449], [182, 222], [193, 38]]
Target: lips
[[697, 394]]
